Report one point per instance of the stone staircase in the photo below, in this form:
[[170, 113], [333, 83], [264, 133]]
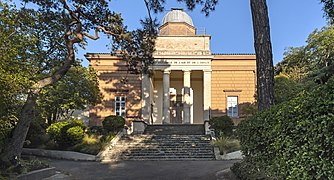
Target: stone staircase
[[164, 142]]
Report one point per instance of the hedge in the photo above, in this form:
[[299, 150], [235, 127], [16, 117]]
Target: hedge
[[293, 140]]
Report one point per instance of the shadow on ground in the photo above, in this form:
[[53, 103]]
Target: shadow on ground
[[140, 170]]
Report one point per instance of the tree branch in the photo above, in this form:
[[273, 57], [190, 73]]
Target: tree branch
[[97, 33]]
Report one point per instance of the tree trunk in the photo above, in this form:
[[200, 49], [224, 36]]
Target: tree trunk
[[264, 57], [13, 151]]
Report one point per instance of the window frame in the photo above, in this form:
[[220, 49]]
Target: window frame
[[121, 110], [232, 114]]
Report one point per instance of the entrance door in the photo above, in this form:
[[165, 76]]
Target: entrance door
[[176, 109]]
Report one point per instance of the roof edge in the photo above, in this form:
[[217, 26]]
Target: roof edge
[[231, 54]]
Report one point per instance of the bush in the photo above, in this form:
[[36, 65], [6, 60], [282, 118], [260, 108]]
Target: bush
[[90, 144], [65, 133], [248, 170], [74, 135], [55, 129], [227, 145], [223, 126], [95, 130], [113, 123], [295, 139]]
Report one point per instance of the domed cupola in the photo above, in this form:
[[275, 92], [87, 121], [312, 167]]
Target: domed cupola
[[177, 22], [177, 15]]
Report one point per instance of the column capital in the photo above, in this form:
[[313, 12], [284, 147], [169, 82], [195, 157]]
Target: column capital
[[207, 70], [165, 71], [186, 70]]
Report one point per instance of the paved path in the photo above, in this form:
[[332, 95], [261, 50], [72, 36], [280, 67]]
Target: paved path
[[140, 170]]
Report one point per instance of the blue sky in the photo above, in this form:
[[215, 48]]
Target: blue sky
[[230, 25]]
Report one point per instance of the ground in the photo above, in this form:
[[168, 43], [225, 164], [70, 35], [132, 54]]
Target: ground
[[140, 170]]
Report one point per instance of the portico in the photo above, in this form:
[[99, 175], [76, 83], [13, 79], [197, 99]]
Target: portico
[[181, 91]]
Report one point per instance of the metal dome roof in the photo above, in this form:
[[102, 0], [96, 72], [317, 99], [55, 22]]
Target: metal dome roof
[[177, 15]]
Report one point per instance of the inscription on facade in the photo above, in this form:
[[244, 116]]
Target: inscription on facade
[[183, 62], [160, 52]]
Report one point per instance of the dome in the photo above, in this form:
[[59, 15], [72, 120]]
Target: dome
[[177, 15]]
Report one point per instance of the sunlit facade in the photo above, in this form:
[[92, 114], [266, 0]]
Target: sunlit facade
[[189, 85]]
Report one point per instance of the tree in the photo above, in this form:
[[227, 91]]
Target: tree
[[61, 25], [75, 91], [313, 62], [328, 10], [295, 64], [263, 50], [13, 82]]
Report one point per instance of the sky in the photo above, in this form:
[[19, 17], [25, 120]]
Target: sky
[[230, 25]]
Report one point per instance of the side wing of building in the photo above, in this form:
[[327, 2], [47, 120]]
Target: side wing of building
[[120, 88], [233, 84]]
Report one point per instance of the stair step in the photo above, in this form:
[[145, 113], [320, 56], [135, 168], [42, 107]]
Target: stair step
[[164, 142]]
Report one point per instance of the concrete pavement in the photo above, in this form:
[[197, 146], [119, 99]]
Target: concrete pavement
[[140, 170]]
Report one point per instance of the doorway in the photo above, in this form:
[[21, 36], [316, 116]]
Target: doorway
[[176, 109]]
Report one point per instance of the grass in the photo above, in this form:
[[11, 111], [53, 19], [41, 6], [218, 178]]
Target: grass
[[227, 145], [24, 165], [93, 144]]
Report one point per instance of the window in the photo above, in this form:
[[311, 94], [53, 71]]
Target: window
[[232, 106], [120, 106]]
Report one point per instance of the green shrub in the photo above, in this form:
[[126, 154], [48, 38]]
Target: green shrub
[[223, 126], [113, 123], [55, 129], [295, 139], [74, 135], [95, 130], [227, 145], [66, 134], [90, 144], [246, 170]]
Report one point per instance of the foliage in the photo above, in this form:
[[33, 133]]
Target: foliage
[[285, 88], [293, 140], [90, 144], [76, 90], [95, 130], [246, 170], [247, 109], [296, 64], [66, 133], [15, 43], [74, 135], [27, 164], [107, 138], [313, 62], [227, 144], [43, 41], [223, 126], [93, 144], [6, 126], [329, 10], [54, 130], [37, 136], [113, 123]]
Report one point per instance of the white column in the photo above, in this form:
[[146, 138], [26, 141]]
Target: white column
[[206, 93], [186, 95], [166, 98], [145, 97]]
